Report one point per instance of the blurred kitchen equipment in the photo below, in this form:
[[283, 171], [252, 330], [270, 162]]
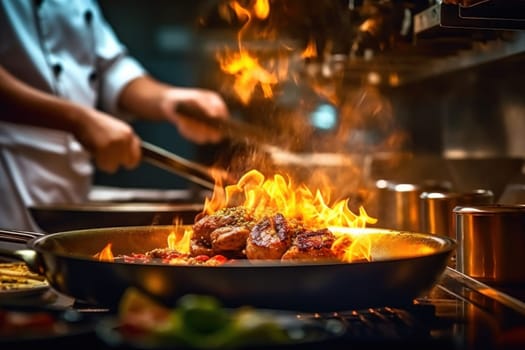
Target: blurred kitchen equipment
[[396, 205], [192, 171], [63, 217], [436, 209], [492, 173], [495, 14], [491, 243], [112, 194], [514, 193]]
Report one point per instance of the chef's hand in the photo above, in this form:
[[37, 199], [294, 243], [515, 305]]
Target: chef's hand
[[111, 142], [151, 99], [205, 102]]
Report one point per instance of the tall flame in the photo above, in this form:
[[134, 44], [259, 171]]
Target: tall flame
[[244, 65], [262, 196], [249, 73], [259, 195]]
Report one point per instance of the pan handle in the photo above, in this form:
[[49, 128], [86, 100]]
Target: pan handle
[[17, 236], [481, 288], [29, 256]]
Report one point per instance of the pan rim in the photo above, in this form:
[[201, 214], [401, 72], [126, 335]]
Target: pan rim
[[445, 245]]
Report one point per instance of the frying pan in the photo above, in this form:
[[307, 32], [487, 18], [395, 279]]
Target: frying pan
[[405, 265], [70, 216]]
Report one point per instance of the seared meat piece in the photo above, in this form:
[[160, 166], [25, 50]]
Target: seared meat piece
[[269, 238], [161, 253], [229, 238], [236, 216], [312, 245], [233, 233], [198, 248], [223, 232]]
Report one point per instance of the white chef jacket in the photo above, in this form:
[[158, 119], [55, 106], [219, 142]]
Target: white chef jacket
[[64, 47]]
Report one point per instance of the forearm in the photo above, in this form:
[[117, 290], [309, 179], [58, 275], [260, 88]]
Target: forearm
[[23, 104], [141, 97]]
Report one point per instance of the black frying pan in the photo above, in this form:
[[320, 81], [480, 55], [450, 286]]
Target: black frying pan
[[66, 217], [405, 266]]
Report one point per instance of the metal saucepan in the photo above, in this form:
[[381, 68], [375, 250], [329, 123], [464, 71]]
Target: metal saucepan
[[405, 265]]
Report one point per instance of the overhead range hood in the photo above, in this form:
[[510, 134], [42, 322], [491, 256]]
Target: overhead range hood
[[442, 38]]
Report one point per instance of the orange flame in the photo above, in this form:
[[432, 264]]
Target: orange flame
[[180, 242], [243, 65], [261, 9], [260, 195], [310, 50], [352, 248], [279, 194], [249, 73], [105, 254]]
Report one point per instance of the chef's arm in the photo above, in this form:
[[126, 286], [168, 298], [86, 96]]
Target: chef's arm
[[23, 104], [112, 142], [148, 98]]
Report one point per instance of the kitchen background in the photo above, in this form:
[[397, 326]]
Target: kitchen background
[[427, 103], [450, 93], [160, 34]]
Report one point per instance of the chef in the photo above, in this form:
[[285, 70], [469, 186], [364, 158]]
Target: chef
[[68, 89]]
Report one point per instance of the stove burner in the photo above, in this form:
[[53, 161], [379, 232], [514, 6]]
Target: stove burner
[[458, 313], [411, 325]]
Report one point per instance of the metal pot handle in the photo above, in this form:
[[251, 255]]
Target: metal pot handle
[[481, 288]]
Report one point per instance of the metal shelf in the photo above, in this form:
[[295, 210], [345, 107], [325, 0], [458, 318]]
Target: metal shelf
[[444, 40], [433, 57]]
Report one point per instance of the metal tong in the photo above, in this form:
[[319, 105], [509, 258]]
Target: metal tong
[[197, 173], [164, 159]]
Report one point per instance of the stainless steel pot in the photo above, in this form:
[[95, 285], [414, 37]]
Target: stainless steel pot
[[436, 209], [398, 203], [491, 242]]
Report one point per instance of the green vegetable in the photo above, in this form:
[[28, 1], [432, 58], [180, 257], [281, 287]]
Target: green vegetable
[[202, 314], [201, 322]]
